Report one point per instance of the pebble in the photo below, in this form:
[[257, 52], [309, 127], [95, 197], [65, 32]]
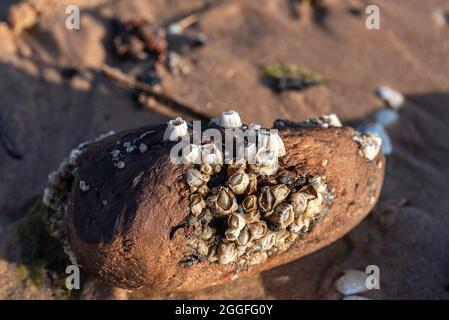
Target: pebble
[[143, 148], [120, 165], [392, 97], [352, 282], [386, 117], [84, 186], [378, 129]]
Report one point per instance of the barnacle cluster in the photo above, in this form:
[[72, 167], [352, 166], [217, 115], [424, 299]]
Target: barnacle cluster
[[244, 212]]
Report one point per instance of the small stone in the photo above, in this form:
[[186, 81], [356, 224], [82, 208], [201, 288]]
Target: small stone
[[84, 186], [143, 148], [120, 165], [352, 282]]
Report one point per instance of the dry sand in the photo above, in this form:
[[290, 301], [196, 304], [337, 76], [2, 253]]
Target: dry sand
[[406, 234]]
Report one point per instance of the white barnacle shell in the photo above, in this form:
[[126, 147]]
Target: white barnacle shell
[[267, 241], [280, 192], [352, 282], [299, 202], [257, 230], [236, 221], [238, 182], [84, 186], [283, 215], [272, 142], [318, 184], [392, 97], [195, 178], [369, 145], [225, 201], [232, 234], [314, 207], [191, 154], [211, 154], [229, 120], [331, 120], [250, 203], [197, 204], [244, 237], [252, 216], [267, 162], [226, 253], [236, 166], [175, 128], [252, 185], [266, 200], [207, 169]]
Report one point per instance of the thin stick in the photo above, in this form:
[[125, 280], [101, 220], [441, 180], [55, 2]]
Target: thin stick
[[125, 80]]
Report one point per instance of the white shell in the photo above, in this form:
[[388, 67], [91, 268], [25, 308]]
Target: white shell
[[331, 119], [175, 128], [229, 120], [379, 130], [236, 221], [211, 154], [227, 253], [268, 162], [192, 154], [238, 182], [352, 282], [393, 98], [369, 145], [318, 184], [272, 142]]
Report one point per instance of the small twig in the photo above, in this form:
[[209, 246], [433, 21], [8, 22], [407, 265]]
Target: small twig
[[128, 81], [7, 142]]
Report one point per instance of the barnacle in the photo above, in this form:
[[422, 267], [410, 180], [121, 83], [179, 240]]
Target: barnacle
[[283, 215], [227, 253], [196, 179], [264, 215], [197, 204], [175, 128], [369, 145], [229, 120], [224, 202], [238, 182], [266, 200], [250, 203]]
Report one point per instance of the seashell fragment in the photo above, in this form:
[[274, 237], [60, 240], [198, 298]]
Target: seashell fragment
[[175, 128], [331, 120], [244, 237], [238, 182], [369, 145], [317, 184], [352, 282]]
